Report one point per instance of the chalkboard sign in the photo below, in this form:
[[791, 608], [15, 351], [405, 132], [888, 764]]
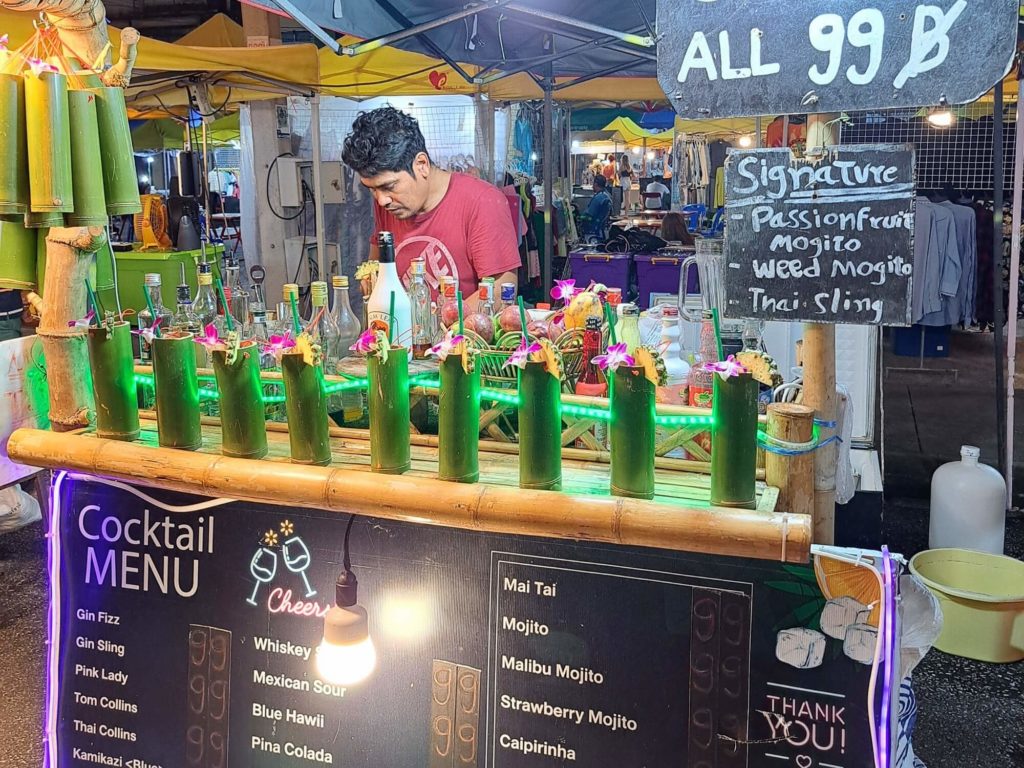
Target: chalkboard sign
[[826, 239], [185, 633], [765, 57]]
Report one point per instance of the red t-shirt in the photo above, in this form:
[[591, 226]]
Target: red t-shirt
[[469, 235]]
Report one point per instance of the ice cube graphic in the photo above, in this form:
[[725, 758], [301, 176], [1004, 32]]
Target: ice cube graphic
[[841, 613], [800, 647], [859, 643]]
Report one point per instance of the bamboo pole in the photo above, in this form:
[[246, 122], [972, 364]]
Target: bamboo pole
[[819, 391], [476, 506], [792, 475]]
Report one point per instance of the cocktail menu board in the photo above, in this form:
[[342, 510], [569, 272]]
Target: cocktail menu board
[[185, 632]]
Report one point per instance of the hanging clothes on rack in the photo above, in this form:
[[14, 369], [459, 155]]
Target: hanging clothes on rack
[[983, 296], [965, 224], [937, 266], [717, 151]]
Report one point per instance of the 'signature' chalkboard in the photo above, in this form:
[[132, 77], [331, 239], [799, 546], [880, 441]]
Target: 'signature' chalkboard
[[828, 239], [722, 58], [185, 632]]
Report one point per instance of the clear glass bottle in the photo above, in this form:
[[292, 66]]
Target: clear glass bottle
[[184, 319], [701, 381], [237, 297], [318, 298], [591, 383], [677, 367], [486, 297], [629, 326], [422, 319], [153, 284], [285, 312], [205, 304], [348, 330]]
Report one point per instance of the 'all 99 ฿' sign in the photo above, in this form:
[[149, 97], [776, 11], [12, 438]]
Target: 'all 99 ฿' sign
[[721, 58]]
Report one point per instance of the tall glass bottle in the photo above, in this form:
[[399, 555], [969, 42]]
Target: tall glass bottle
[[486, 297], [205, 304], [321, 331], [422, 318], [345, 327], [629, 327], [184, 319], [153, 283], [701, 386], [388, 284], [591, 383]]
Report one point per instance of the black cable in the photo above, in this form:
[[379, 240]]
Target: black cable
[[270, 204], [346, 559]]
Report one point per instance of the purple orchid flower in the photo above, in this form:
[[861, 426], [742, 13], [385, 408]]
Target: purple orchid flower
[[564, 290], [521, 356], [211, 337], [365, 343], [4, 40], [148, 334], [38, 66], [85, 322], [446, 346], [614, 357], [276, 345], [726, 368]]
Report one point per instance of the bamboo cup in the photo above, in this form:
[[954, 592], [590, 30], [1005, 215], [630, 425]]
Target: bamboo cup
[[632, 433], [388, 402], [17, 256], [177, 391], [113, 381], [14, 193], [540, 429], [242, 413], [86, 180], [458, 422], [734, 442], [48, 133], [40, 259], [45, 220], [306, 407], [120, 182]]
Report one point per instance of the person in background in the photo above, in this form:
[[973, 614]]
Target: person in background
[[625, 172], [654, 203], [675, 230], [459, 225], [595, 218], [609, 169], [11, 311]]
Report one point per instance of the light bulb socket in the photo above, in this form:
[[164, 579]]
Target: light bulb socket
[[346, 590], [346, 625]]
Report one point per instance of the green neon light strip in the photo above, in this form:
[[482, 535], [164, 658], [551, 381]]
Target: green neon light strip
[[504, 396]]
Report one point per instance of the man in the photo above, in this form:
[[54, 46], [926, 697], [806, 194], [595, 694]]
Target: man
[[595, 218], [459, 225], [654, 203]]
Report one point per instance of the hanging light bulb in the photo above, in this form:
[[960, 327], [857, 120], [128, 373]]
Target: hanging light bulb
[[650, 154], [746, 141], [636, 150], [942, 118], [346, 654]]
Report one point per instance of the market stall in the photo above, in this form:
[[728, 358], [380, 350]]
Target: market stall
[[602, 575]]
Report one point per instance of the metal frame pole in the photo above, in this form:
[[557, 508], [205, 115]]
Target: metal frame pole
[[1011, 333], [393, 37], [549, 187], [644, 41], [997, 274], [318, 198]]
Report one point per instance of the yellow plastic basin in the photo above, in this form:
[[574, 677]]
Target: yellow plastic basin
[[982, 598]]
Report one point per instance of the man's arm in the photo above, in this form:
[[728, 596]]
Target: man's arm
[[493, 247]]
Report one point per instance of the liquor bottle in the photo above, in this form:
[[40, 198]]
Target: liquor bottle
[[677, 368], [590, 382], [318, 298], [153, 283], [508, 296], [701, 384], [628, 329], [346, 328], [485, 295], [184, 319], [422, 319], [285, 313], [388, 284], [205, 304], [236, 296]]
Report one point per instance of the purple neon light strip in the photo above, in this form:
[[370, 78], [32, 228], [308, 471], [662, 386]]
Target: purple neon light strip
[[53, 557], [888, 654]]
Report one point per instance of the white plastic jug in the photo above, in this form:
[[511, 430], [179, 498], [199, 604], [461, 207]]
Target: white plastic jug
[[968, 505]]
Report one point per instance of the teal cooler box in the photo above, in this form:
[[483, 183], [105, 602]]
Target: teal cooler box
[[610, 269]]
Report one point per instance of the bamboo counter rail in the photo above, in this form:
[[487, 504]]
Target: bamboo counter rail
[[495, 505]]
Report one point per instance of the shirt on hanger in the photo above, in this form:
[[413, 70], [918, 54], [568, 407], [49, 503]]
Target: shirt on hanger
[[939, 269], [967, 244]]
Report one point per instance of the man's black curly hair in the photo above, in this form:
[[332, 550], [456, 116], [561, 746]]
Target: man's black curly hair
[[384, 139]]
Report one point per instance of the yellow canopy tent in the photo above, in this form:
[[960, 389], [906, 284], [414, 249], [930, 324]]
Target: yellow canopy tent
[[166, 133], [234, 74], [219, 31], [632, 135]]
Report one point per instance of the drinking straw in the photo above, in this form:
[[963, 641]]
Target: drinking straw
[[93, 300], [315, 322], [295, 315], [462, 327], [229, 321], [152, 313], [391, 320], [611, 322], [718, 333], [522, 319]]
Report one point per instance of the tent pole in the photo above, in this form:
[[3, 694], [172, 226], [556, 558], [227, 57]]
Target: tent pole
[[997, 273], [549, 187], [1011, 333], [206, 182], [318, 198]]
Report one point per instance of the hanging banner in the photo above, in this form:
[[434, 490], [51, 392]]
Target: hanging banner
[[730, 58], [826, 239], [185, 634]]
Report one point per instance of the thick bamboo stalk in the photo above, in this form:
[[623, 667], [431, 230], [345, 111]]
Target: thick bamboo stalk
[[734, 442], [243, 415], [90, 209], [793, 475], [13, 147], [306, 406], [819, 351], [540, 429], [69, 255], [478, 507], [458, 422], [48, 132], [632, 434], [17, 255], [177, 391], [117, 405], [387, 401]]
